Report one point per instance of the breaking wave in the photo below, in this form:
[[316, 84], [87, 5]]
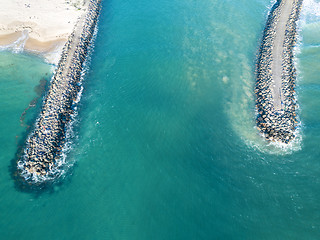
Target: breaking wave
[[18, 45]]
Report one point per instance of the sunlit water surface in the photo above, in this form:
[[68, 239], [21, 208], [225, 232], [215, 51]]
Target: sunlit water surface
[[165, 145]]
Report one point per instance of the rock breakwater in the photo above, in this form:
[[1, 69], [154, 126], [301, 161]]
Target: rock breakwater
[[44, 145], [276, 74]]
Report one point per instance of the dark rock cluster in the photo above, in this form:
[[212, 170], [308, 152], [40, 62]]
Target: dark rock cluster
[[277, 125], [44, 144]]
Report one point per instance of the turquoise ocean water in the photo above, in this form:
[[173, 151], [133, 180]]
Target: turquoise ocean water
[[164, 144]]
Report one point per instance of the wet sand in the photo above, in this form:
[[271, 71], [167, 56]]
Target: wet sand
[[9, 38], [46, 24]]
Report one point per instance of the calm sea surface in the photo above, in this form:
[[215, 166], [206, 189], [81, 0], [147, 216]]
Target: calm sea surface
[[164, 144]]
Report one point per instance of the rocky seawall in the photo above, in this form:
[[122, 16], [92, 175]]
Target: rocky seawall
[[276, 74], [44, 145]]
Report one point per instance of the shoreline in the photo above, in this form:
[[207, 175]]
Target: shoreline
[[50, 51], [276, 75], [39, 161], [40, 28]]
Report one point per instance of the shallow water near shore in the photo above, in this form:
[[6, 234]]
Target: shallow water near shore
[[166, 142]]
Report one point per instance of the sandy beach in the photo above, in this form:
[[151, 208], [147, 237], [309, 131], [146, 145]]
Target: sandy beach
[[39, 26]]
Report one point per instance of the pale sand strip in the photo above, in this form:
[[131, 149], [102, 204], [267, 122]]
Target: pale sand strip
[[50, 50], [9, 38]]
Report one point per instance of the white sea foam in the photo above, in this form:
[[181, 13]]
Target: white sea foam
[[310, 11], [18, 45], [272, 2]]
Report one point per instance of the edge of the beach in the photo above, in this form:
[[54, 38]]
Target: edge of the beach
[[40, 28]]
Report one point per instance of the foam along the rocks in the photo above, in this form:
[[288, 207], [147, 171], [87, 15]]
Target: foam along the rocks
[[44, 145], [276, 74]]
